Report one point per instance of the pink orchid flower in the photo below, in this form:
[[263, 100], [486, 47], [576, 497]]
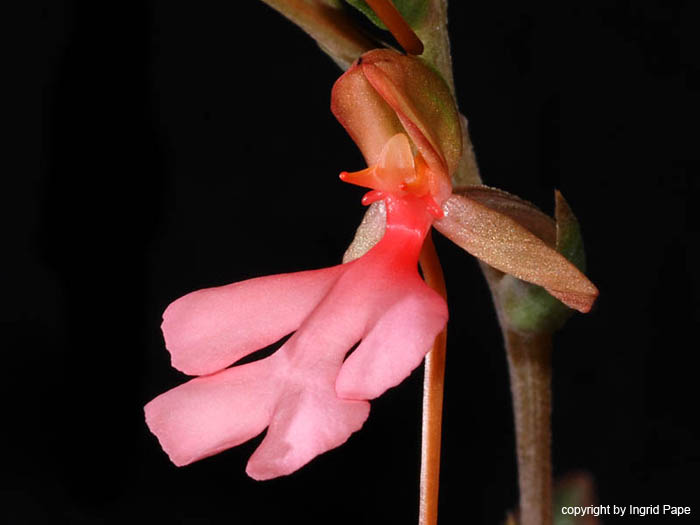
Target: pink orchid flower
[[310, 399], [308, 395]]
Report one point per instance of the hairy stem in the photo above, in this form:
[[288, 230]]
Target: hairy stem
[[530, 364], [433, 386]]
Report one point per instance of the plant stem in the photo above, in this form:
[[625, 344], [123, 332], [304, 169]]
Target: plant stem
[[433, 386], [530, 364]]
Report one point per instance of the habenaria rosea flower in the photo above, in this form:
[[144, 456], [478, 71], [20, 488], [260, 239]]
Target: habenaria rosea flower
[[307, 394], [310, 398]]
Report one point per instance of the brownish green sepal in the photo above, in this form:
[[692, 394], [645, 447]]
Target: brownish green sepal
[[530, 308], [385, 93], [569, 239], [413, 11], [515, 238]]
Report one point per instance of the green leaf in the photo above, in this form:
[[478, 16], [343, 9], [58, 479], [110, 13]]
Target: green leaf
[[413, 11]]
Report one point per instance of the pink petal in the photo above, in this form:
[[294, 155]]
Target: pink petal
[[379, 298], [306, 423], [209, 329], [395, 345], [213, 413], [310, 418]]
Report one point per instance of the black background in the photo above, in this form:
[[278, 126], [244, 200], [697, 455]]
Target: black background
[[187, 145]]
